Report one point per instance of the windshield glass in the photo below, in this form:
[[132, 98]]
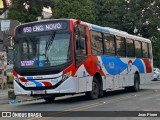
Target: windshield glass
[[43, 50]]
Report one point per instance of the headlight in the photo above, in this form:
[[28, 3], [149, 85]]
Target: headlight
[[66, 76]]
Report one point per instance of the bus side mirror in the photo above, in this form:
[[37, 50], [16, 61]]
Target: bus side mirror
[[9, 43]]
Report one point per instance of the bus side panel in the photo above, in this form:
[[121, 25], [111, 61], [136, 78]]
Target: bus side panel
[[117, 72], [84, 79], [120, 71]]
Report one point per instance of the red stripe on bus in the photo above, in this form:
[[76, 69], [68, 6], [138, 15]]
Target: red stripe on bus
[[148, 65], [22, 79], [47, 83]]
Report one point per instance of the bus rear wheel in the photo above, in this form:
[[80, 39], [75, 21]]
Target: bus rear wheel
[[136, 86], [95, 90], [49, 98]]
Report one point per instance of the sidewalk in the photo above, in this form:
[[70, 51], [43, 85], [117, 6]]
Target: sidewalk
[[4, 97], [5, 100]]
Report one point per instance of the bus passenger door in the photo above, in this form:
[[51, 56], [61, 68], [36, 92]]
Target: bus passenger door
[[80, 56]]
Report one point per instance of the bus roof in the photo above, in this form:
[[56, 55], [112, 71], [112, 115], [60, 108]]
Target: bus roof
[[98, 28], [44, 20], [101, 29], [138, 38], [116, 32]]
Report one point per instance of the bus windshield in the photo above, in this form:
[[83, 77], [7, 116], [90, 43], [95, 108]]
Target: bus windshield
[[47, 50]]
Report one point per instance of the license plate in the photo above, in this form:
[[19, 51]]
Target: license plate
[[38, 92]]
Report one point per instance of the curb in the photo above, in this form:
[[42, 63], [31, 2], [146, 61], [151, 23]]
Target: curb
[[16, 101], [4, 102], [6, 97], [3, 96], [21, 101]]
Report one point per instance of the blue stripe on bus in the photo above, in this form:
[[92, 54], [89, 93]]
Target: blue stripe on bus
[[138, 63], [29, 78], [100, 29], [114, 65], [38, 84]]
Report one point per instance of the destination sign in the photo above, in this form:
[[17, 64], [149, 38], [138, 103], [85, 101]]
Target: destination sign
[[43, 26]]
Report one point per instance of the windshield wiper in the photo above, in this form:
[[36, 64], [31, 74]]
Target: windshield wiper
[[50, 40], [29, 40]]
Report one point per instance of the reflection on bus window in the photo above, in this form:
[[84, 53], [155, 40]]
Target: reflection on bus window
[[96, 43]]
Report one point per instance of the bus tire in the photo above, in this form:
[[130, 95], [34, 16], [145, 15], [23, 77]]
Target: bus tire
[[136, 86], [95, 90], [128, 89], [49, 98]]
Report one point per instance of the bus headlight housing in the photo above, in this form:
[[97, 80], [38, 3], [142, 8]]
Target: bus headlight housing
[[66, 76]]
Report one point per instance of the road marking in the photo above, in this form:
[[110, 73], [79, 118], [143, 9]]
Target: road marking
[[93, 105]]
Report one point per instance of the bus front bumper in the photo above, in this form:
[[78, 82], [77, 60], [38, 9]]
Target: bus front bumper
[[68, 86]]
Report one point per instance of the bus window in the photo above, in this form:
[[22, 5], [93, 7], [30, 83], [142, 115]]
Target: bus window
[[130, 48], [80, 44], [150, 50], [138, 49], [27, 50], [80, 41], [145, 49], [120, 46], [96, 43], [109, 44]]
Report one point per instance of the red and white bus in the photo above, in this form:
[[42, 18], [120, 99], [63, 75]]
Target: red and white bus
[[67, 56]]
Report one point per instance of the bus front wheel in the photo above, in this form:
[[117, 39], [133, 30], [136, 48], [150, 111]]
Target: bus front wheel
[[49, 98], [95, 90]]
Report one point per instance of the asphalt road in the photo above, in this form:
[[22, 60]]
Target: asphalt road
[[147, 99]]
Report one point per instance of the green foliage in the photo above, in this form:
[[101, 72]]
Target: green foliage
[[124, 15], [18, 12], [127, 15], [76, 9]]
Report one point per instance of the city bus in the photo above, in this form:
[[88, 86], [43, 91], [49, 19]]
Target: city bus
[[66, 56]]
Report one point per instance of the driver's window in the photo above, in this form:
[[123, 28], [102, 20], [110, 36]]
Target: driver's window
[[80, 40], [25, 50]]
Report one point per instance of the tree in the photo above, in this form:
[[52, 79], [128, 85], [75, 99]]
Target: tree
[[148, 20], [77, 9], [126, 15], [27, 10]]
